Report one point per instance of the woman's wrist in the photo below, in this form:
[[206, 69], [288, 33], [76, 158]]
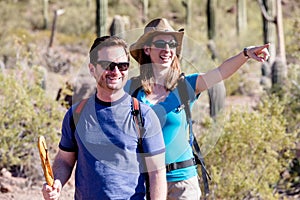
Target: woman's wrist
[[245, 52]]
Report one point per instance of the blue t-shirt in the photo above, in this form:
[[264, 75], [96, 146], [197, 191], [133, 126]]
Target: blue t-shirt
[[175, 129], [106, 142]]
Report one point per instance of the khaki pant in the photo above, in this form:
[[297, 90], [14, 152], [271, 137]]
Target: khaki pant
[[184, 190]]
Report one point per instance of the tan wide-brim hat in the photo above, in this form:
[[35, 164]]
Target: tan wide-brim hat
[[156, 27]]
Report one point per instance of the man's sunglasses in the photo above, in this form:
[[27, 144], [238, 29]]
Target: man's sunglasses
[[109, 65], [161, 44]]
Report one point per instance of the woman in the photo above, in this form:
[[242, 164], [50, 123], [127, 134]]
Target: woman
[[158, 51]]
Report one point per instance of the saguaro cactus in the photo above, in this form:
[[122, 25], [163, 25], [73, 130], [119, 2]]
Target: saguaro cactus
[[188, 12], [101, 14], [280, 33], [278, 73], [217, 92], [45, 13], [241, 16], [211, 27], [117, 27], [217, 95], [210, 13], [279, 68], [269, 28], [145, 4]]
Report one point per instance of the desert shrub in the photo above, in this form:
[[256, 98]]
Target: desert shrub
[[252, 151], [8, 20], [76, 21], [289, 95], [26, 113]]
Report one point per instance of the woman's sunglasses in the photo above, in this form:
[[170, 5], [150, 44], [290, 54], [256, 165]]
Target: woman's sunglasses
[[109, 65], [161, 44]]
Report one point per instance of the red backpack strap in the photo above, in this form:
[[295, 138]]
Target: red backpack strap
[[76, 114], [137, 116], [80, 106]]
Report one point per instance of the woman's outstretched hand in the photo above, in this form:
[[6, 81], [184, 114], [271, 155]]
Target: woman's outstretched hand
[[259, 53]]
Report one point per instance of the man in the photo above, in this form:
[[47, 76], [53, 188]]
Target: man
[[104, 144]]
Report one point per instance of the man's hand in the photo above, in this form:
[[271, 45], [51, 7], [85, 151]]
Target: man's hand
[[52, 193]]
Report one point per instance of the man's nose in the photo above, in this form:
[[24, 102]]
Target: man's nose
[[115, 69]]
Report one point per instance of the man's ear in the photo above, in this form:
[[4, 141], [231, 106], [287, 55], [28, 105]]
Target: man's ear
[[92, 69]]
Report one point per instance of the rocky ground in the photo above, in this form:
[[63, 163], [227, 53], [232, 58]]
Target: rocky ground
[[14, 188]]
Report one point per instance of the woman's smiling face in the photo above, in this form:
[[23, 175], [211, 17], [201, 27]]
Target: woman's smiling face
[[162, 56]]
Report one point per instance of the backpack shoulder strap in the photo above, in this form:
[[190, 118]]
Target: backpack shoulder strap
[[184, 97], [185, 100], [76, 114], [137, 116]]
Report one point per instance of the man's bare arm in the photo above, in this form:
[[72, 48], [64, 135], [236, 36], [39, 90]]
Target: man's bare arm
[[157, 176], [63, 165]]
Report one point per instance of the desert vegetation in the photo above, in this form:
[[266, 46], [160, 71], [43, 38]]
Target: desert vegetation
[[251, 151]]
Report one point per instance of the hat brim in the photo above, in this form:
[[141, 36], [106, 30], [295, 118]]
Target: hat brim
[[137, 47]]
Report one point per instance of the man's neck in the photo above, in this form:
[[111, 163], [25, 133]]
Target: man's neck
[[108, 96]]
